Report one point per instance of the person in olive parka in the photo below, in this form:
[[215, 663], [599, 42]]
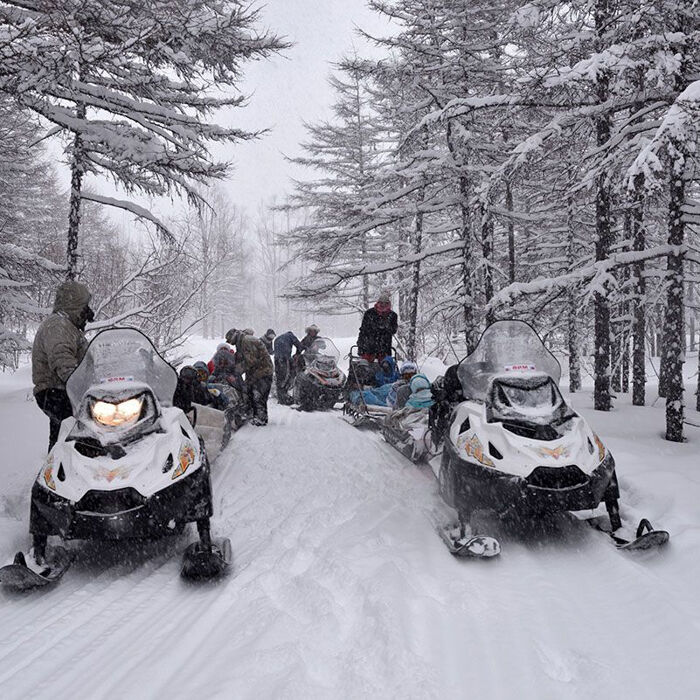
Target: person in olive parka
[[59, 346]]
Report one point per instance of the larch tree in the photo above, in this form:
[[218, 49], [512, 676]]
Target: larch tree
[[131, 85]]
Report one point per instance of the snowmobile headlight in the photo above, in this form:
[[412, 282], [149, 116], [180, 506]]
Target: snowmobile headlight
[[115, 415]]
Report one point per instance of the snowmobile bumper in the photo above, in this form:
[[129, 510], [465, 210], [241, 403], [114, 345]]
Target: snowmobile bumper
[[469, 486], [122, 513]]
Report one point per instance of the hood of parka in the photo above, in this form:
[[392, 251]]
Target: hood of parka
[[72, 298]]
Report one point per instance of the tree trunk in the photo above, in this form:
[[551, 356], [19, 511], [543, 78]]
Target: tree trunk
[[511, 235], [697, 390], [414, 294], [674, 325], [573, 343], [572, 301], [601, 310], [487, 252], [639, 330], [625, 363], [76, 185], [467, 269]]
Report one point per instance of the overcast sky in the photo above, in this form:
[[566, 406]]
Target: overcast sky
[[292, 88]]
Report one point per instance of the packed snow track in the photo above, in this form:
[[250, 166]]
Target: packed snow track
[[342, 589]]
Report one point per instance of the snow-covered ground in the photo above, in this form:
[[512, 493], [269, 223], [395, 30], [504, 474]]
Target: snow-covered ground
[[342, 589]]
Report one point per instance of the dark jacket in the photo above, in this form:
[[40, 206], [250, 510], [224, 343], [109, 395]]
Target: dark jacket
[[60, 344], [224, 364], [252, 358], [376, 333], [284, 343]]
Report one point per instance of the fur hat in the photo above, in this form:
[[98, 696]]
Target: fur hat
[[313, 328]]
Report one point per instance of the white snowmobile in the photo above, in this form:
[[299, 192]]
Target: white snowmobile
[[515, 448], [127, 465], [320, 384]]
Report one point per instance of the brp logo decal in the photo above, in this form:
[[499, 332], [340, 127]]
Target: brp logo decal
[[111, 474], [185, 460]]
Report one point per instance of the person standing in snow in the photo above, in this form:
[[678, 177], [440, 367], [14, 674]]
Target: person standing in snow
[[379, 325], [283, 364], [59, 346], [312, 332], [253, 359], [268, 339]]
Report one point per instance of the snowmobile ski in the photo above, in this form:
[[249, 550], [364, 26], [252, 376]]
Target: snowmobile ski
[[469, 546], [201, 563], [645, 538], [19, 576]]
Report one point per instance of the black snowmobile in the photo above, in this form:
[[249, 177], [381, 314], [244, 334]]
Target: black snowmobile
[[127, 465], [515, 448], [318, 386]]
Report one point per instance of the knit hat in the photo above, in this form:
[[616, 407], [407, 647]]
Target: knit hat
[[408, 368]]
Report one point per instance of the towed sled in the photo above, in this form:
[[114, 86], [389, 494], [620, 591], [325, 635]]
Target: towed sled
[[128, 465], [357, 410], [408, 430], [319, 385], [515, 448]]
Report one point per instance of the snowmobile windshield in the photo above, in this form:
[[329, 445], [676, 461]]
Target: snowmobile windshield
[[323, 350], [506, 347], [533, 398], [119, 357]]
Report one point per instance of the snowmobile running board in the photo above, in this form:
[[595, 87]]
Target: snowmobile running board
[[20, 577], [646, 537]]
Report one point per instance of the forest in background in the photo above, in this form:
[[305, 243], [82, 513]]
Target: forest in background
[[532, 160], [505, 159]]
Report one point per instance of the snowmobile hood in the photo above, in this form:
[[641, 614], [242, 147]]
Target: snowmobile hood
[[505, 347], [72, 298]]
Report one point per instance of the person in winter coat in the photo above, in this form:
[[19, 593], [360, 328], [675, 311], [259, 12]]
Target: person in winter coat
[[253, 359], [282, 349], [59, 346], [387, 372], [267, 340], [312, 332], [379, 325], [223, 364], [401, 390], [220, 346], [190, 389]]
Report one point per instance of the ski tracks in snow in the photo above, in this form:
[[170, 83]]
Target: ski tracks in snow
[[342, 589]]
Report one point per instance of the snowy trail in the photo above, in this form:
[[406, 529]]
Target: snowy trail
[[341, 589]]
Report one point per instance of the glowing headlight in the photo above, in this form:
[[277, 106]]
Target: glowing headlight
[[116, 414]]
